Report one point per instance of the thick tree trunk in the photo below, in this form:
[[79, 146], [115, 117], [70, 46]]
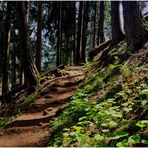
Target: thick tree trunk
[[101, 38], [117, 34], [136, 29], [39, 37], [30, 70], [6, 50], [59, 39]]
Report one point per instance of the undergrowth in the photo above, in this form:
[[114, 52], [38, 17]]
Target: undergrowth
[[108, 109]]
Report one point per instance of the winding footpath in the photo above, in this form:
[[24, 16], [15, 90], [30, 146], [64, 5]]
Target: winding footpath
[[31, 128]]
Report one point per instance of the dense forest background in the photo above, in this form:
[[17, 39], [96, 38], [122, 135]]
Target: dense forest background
[[58, 33], [74, 74]]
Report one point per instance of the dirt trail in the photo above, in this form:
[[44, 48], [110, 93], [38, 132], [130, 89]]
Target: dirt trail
[[32, 127]]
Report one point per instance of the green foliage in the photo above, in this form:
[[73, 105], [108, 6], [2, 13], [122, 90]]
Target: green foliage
[[2, 125], [104, 109], [2, 122]]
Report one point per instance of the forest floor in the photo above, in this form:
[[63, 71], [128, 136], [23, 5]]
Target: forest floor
[[31, 128]]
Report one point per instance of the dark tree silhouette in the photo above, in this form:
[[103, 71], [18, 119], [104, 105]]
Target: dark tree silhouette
[[79, 33], [101, 38], [30, 70], [80, 51], [136, 29], [94, 29], [117, 34], [6, 50], [59, 38]]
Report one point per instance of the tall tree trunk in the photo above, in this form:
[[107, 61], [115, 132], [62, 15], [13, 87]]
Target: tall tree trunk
[[82, 50], [14, 67], [94, 31], [101, 38], [6, 50], [85, 25], [21, 73], [74, 36], [79, 33], [39, 37], [30, 70], [59, 39], [136, 29], [117, 34]]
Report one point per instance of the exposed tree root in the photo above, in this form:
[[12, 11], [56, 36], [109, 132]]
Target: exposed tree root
[[98, 49]]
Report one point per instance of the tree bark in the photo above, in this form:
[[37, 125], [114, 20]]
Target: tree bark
[[80, 51], [14, 67], [59, 39], [82, 48], [98, 49], [79, 33], [117, 34], [30, 70], [39, 37], [94, 31], [6, 50], [101, 38], [136, 29], [74, 36]]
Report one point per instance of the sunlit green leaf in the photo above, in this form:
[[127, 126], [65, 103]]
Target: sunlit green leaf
[[144, 141], [104, 124], [118, 135], [78, 128], [122, 143], [65, 134], [133, 139], [98, 137], [66, 129], [142, 123], [144, 91], [112, 124]]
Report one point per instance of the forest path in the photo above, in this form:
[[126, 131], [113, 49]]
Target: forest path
[[31, 128]]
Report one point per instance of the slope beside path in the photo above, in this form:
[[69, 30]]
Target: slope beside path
[[31, 128]]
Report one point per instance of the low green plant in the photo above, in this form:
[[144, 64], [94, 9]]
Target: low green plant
[[2, 124], [103, 111]]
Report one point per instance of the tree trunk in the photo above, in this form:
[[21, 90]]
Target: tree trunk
[[14, 67], [136, 29], [59, 39], [117, 34], [94, 31], [74, 36], [39, 37], [101, 38], [79, 33], [30, 70], [82, 48], [6, 50], [85, 25]]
